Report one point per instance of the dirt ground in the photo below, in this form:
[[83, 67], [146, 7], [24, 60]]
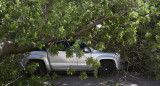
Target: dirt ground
[[125, 79]]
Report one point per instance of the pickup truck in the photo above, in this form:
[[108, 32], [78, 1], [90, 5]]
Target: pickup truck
[[49, 62]]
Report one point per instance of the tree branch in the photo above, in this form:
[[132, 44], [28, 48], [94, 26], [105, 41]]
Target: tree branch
[[96, 42], [92, 40], [53, 39], [91, 26], [13, 81], [47, 9]]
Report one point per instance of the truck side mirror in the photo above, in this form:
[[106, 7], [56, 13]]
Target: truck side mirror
[[86, 50]]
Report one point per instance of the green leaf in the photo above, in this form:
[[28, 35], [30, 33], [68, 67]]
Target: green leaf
[[100, 46], [95, 64], [134, 14], [83, 75], [69, 53], [148, 35], [71, 71], [54, 49]]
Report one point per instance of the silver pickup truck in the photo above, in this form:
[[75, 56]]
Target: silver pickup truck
[[49, 62]]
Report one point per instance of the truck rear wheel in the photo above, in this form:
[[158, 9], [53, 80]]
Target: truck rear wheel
[[40, 70], [107, 68]]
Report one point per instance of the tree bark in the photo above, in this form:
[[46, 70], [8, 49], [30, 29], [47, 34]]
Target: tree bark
[[8, 47]]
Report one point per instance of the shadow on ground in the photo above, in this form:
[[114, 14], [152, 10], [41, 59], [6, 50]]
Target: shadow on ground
[[119, 79]]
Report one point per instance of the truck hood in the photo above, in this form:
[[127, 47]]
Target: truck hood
[[38, 53], [96, 52]]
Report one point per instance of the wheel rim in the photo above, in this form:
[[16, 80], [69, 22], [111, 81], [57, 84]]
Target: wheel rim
[[106, 69]]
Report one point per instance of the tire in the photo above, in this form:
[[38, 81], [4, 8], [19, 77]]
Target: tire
[[40, 70], [107, 68]]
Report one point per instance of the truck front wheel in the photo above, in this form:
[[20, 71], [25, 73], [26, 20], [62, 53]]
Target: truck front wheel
[[40, 69], [107, 68]]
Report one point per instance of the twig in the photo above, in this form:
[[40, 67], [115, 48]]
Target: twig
[[13, 81]]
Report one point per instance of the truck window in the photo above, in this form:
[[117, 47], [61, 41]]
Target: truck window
[[63, 45]]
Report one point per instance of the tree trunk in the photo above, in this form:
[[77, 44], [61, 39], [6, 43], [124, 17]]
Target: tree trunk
[[8, 47]]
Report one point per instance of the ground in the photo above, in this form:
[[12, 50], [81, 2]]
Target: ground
[[119, 79]]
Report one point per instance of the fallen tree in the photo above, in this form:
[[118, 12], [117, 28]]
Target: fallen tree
[[128, 27]]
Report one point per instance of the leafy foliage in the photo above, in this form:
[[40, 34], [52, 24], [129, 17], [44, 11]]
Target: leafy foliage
[[70, 71], [134, 30], [31, 68], [55, 76], [11, 71], [83, 75], [8, 70], [95, 64]]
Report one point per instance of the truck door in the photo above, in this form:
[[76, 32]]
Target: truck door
[[59, 62], [73, 62], [82, 61]]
